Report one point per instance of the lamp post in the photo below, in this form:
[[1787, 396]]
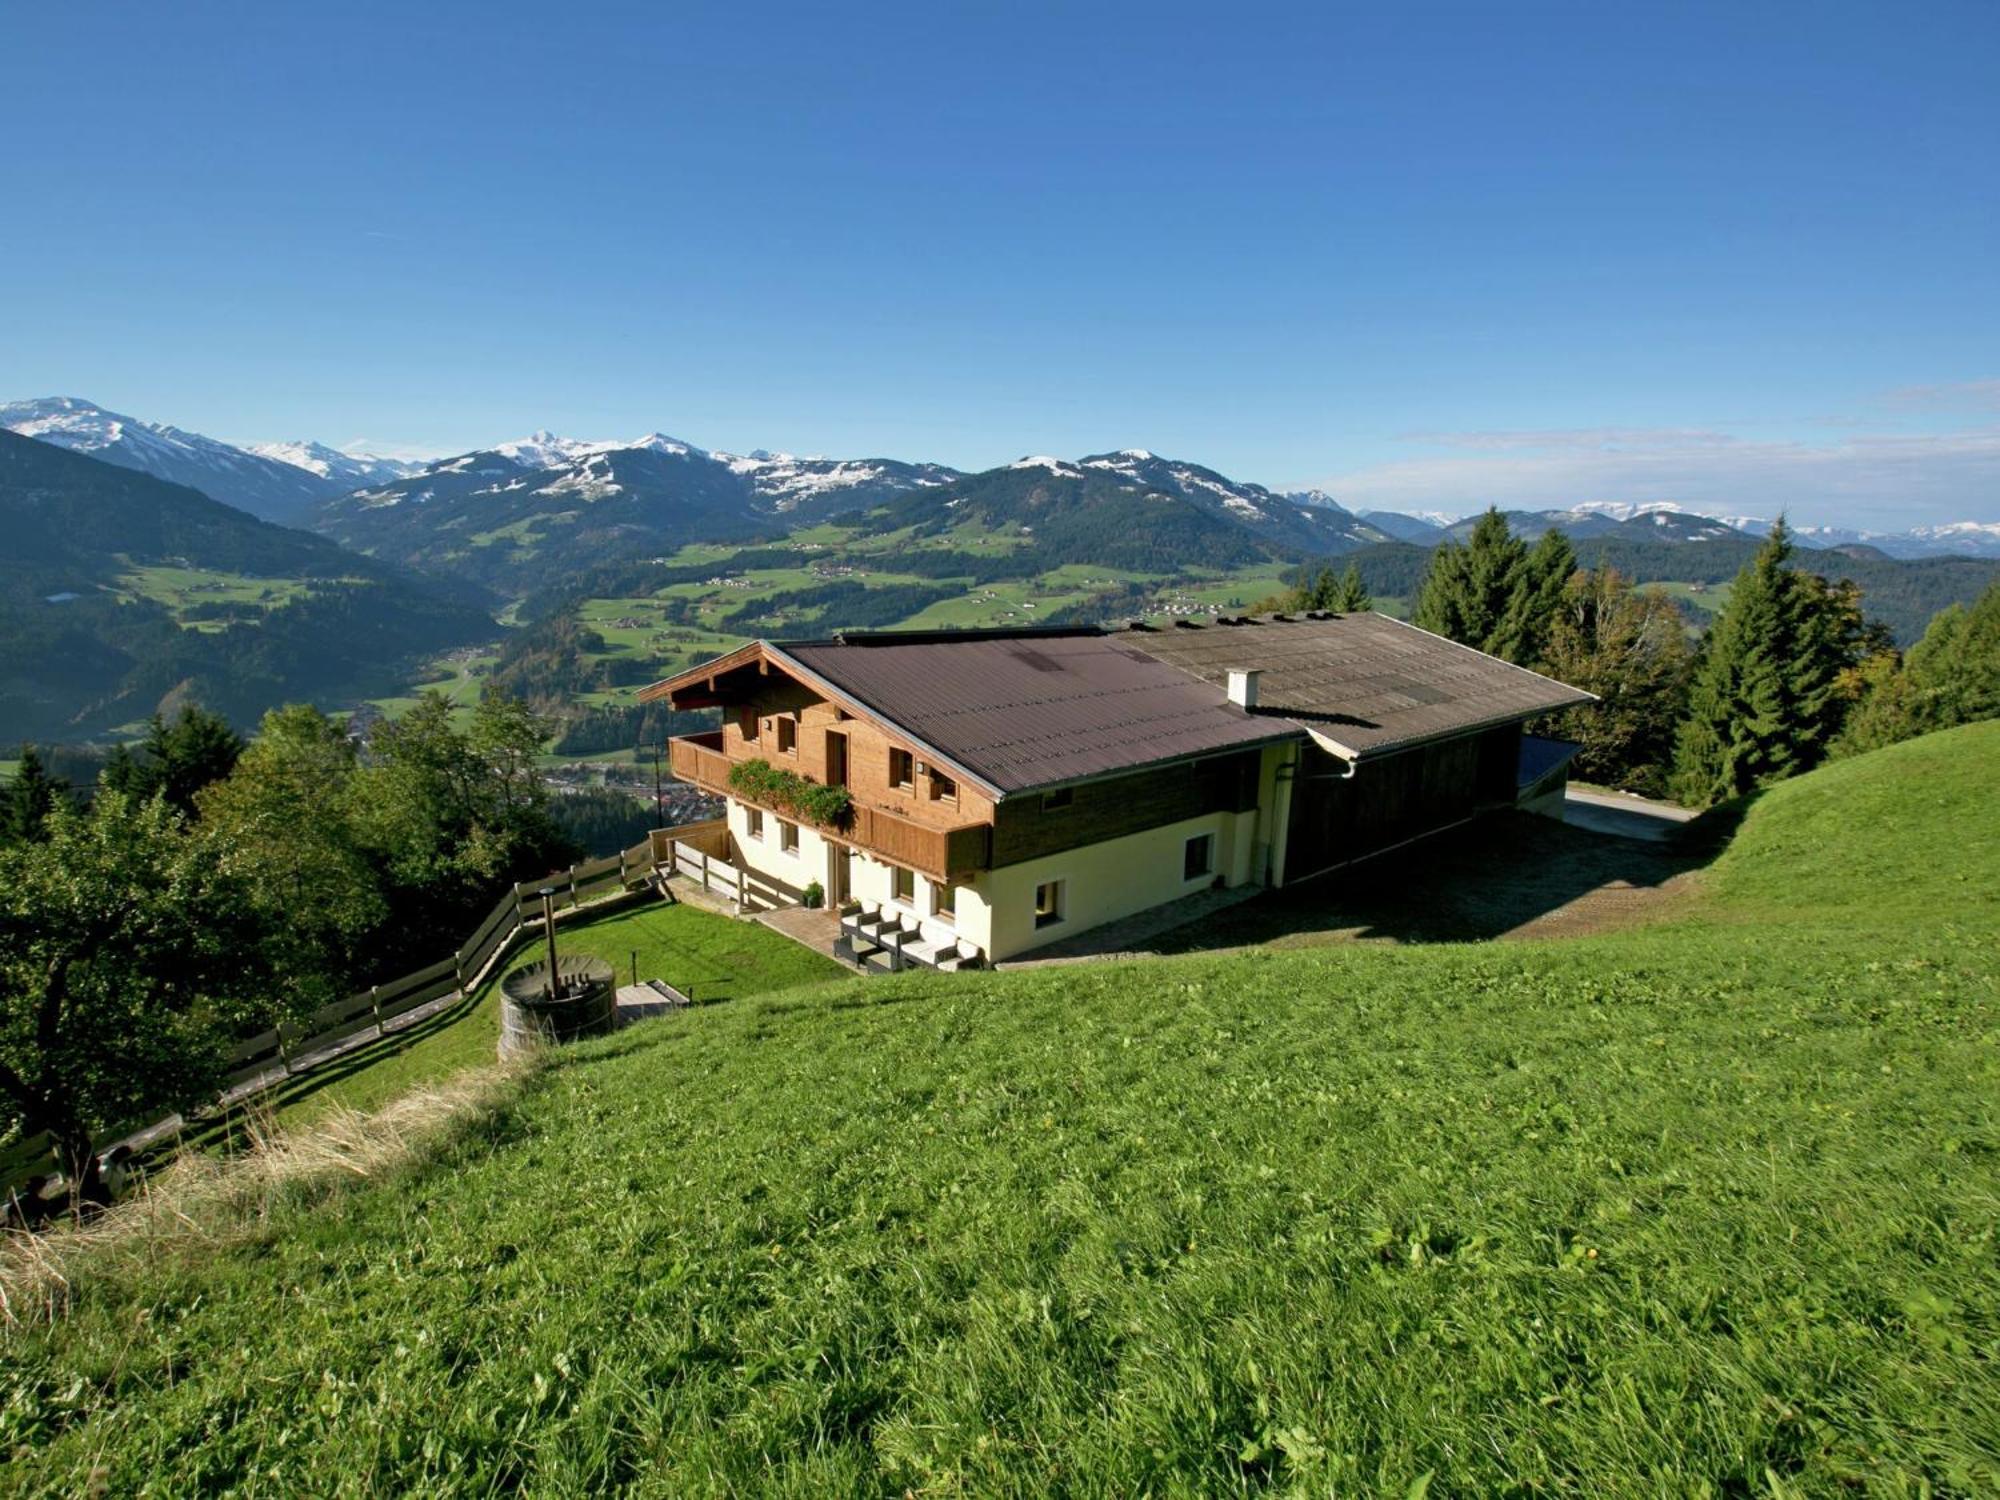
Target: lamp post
[[549, 926]]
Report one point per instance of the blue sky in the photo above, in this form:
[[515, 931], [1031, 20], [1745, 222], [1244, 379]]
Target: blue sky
[[1425, 256]]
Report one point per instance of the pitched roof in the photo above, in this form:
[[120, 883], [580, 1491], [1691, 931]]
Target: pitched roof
[[1364, 682], [1034, 709]]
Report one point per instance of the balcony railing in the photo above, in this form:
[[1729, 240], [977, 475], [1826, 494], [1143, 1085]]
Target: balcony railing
[[939, 853]]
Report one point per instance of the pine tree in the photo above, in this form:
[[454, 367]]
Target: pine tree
[[1522, 635], [1770, 689], [28, 799], [1950, 677], [1467, 590], [1350, 595], [176, 759]]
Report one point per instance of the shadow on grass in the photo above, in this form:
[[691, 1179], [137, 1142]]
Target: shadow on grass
[[1500, 875]]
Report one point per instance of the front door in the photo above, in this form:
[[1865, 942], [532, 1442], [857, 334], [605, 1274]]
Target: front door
[[836, 758], [839, 875]]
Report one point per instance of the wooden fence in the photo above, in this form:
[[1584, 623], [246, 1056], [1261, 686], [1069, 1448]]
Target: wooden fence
[[749, 889], [293, 1048]]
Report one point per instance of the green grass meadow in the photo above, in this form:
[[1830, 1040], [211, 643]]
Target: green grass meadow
[[1710, 1207]]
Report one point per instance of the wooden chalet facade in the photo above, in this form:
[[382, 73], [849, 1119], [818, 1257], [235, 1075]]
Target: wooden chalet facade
[[1010, 789]]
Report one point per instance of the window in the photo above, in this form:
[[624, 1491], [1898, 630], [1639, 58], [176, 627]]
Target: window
[[943, 788], [944, 900], [788, 736], [1199, 857], [902, 885], [754, 819], [1057, 801], [748, 721], [788, 836], [902, 770], [1048, 903]]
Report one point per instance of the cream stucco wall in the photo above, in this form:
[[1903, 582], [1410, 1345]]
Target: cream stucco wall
[[797, 870], [1103, 882], [996, 908]]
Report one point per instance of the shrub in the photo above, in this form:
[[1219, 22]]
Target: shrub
[[814, 896], [760, 781]]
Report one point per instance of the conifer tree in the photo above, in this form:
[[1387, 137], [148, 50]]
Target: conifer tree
[[1467, 590], [1522, 636], [28, 800], [1771, 686], [1350, 595], [1950, 677]]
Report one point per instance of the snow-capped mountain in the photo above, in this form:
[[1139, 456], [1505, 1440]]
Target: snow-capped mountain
[[515, 513], [277, 482], [1960, 538], [266, 487], [1421, 527], [347, 470], [1318, 525], [784, 483]]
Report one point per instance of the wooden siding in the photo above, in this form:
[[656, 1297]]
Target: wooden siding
[[1026, 828], [1394, 798], [934, 846]]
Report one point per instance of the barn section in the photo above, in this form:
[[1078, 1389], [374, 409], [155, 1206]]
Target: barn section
[[1407, 733]]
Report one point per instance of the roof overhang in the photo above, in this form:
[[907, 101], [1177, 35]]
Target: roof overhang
[[697, 688]]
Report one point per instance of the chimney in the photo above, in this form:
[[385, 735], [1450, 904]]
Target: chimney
[[1243, 686]]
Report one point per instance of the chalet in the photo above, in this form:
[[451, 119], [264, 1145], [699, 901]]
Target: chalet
[[1008, 789]]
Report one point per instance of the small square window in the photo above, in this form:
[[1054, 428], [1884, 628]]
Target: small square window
[[1048, 903], [943, 788], [754, 821], [1199, 857], [788, 836], [902, 770], [902, 884], [788, 736], [1057, 801], [944, 900]]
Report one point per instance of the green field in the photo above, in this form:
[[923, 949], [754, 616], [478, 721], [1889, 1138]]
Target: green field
[[182, 589], [459, 675], [1710, 1207]]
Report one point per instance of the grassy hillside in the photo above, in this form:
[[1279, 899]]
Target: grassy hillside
[[1712, 1207]]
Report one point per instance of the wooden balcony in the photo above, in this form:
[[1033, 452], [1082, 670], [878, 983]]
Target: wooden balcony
[[937, 853]]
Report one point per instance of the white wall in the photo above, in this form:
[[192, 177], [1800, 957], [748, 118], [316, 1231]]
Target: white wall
[[766, 858], [1103, 882], [970, 924]]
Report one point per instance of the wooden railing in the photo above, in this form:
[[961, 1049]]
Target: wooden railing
[[939, 853], [698, 760]]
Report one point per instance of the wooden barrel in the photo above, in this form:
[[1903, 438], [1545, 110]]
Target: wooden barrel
[[585, 1003]]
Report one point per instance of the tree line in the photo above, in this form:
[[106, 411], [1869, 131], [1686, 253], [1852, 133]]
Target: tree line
[[1790, 673]]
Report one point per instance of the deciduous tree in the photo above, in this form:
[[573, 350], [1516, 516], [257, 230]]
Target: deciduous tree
[[1631, 649], [130, 958]]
